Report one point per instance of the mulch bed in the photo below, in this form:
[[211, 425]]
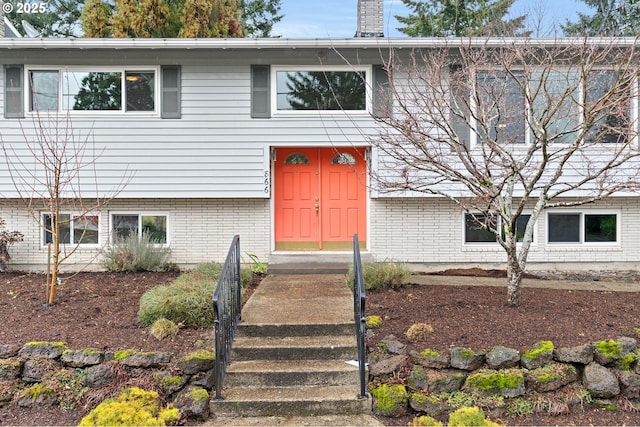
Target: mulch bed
[[100, 310]]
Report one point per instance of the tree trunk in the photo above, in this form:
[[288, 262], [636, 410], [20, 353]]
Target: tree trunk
[[514, 275]]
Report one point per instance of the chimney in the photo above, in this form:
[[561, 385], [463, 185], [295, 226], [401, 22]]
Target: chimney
[[370, 18]]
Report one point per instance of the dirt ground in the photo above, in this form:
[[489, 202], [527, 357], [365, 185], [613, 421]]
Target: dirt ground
[[478, 317], [100, 310]]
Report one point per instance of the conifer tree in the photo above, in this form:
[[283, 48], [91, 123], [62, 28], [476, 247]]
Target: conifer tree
[[460, 18], [611, 18]]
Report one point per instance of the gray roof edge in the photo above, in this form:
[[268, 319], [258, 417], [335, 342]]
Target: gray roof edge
[[281, 43]]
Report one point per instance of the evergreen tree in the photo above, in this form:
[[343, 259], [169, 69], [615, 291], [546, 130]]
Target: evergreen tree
[[446, 18], [259, 16], [59, 20], [157, 18], [611, 18]]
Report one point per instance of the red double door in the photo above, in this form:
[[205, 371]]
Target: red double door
[[320, 198]]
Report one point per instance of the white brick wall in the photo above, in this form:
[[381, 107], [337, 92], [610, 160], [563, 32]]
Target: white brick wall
[[431, 231], [199, 230], [413, 230]]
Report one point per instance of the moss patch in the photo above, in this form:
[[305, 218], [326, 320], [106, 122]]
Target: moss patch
[[609, 348], [543, 347], [373, 322], [391, 400], [488, 380]]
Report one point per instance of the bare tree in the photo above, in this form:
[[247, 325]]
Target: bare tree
[[54, 175], [508, 128]]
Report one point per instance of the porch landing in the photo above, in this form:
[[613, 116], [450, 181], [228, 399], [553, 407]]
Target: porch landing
[[312, 263]]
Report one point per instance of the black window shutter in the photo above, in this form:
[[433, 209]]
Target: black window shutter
[[260, 96], [13, 91], [171, 92]]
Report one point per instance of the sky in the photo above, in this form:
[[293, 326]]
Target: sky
[[337, 18]]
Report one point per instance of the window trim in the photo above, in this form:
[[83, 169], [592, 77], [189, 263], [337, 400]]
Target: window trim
[[72, 215], [368, 70], [157, 88], [140, 214], [582, 213]]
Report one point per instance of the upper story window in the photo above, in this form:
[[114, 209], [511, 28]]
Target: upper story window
[[113, 90], [561, 102], [307, 89]]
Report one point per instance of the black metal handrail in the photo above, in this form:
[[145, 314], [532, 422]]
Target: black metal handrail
[[226, 311], [358, 313]]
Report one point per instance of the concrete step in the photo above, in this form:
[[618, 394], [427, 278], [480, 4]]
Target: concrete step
[[323, 420], [290, 401], [312, 263], [341, 347], [292, 330], [285, 373]]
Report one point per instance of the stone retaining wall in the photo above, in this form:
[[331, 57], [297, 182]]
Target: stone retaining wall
[[543, 377], [50, 373]]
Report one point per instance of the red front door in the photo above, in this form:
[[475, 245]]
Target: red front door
[[320, 198]]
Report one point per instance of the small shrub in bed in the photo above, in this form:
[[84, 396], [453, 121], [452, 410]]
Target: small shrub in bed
[[163, 328], [134, 253], [132, 407], [187, 300], [383, 275]]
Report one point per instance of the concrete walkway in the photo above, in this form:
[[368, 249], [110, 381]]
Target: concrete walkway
[[592, 285], [300, 299]]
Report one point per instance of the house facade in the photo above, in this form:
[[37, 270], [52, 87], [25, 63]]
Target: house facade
[[198, 140]]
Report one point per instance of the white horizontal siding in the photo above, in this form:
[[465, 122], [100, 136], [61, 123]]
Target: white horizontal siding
[[214, 150]]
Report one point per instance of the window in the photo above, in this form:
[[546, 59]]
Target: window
[[320, 90], [13, 89], [578, 227], [115, 90], [125, 224], [76, 229], [501, 113], [612, 124], [296, 159], [555, 103], [521, 225], [343, 159], [474, 232]]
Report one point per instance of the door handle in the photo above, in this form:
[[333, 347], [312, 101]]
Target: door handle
[[317, 207]]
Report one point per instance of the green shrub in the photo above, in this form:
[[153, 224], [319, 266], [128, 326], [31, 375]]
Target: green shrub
[[163, 328], [135, 253], [382, 275], [257, 266], [469, 416], [133, 407], [188, 299]]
